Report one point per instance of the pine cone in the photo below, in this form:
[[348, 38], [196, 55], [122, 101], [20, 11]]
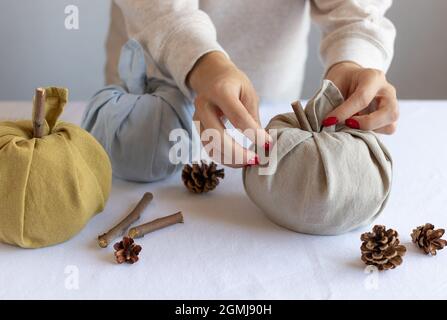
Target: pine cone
[[429, 239], [202, 177], [381, 248], [126, 251]]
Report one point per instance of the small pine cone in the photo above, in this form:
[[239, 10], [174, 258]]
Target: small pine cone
[[429, 239], [126, 251], [382, 248], [199, 178]]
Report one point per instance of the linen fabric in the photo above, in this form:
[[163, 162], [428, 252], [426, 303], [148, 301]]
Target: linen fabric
[[327, 180], [51, 186], [134, 120]]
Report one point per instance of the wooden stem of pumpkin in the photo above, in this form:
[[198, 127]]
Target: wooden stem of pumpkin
[[118, 230], [301, 116], [39, 113], [140, 231]]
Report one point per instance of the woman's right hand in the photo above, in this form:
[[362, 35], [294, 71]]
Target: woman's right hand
[[225, 91]]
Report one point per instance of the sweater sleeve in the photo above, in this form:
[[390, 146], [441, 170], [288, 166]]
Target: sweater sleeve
[[175, 32], [355, 30]]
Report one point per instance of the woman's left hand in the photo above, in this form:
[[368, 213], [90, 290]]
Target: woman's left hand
[[370, 100]]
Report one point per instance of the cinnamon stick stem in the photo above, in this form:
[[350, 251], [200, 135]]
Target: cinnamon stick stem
[[39, 113], [140, 231], [118, 230]]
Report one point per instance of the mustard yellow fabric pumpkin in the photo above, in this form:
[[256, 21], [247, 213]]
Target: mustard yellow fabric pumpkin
[[50, 187]]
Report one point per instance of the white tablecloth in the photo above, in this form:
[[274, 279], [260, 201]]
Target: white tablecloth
[[227, 249]]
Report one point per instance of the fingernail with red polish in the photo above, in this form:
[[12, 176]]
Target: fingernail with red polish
[[330, 121], [352, 123], [267, 146], [253, 161]]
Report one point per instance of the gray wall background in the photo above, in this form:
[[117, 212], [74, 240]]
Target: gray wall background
[[37, 50]]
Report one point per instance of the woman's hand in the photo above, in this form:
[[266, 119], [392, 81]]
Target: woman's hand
[[371, 102], [225, 91]]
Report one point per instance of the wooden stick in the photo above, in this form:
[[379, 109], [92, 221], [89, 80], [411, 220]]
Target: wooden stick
[[39, 113], [301, 116], [118, 230], [140, 231]]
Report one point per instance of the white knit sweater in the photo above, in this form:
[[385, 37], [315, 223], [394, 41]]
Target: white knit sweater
[[267, 39]]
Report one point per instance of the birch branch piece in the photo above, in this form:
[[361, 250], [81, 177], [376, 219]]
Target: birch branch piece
[[39, 113], [118, 230], [140, 231]]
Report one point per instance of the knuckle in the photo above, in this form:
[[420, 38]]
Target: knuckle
[[391, 129], [394, 115], [363, 99], [374, 73], [379, 73], [367, 122], [221, 87], [392, 90]]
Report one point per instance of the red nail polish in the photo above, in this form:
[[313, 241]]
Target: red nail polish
[[330, 121], [267, 146], [253, 161], [352, 123]]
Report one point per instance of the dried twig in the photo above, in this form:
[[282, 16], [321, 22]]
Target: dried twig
[[140, 231], [105, 239], [301, 116], [39, 113]]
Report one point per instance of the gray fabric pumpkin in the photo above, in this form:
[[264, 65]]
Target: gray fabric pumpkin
[[323, 180]]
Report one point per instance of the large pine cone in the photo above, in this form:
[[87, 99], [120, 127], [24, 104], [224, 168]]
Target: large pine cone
[[429, 239], [200, 178], [381, 248]]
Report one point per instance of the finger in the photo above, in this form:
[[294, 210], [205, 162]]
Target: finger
[[386, 114], [229, 151], [241, 119], [389, 129], [213, 153], [251, 102], [362, 96]]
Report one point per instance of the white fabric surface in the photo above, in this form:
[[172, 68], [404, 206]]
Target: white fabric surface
[[227, 248]]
